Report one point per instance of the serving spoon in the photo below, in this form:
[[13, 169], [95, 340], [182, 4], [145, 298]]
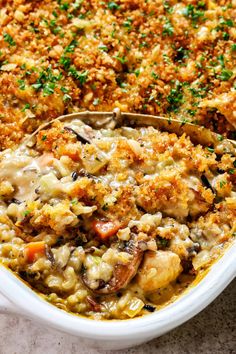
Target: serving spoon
[[116, 119]]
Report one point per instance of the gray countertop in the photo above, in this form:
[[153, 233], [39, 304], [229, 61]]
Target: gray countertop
[[213, 331]]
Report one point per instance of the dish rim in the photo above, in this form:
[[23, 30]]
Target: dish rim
[[26, 302]]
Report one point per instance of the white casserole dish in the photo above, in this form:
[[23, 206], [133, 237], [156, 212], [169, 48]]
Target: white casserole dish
[[18, 298]]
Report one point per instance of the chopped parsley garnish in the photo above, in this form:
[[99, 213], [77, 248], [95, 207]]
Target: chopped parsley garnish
[[103, 48], [210, 150], [71, 47], [181, 54], [175, 98], [128, 24], [137, 72], [143, 45], [64, 89], [44, 137], [74, 201], [81, 76], [225, 36], [154, 75], [37, 86], [226, 22], [221, 60], [8, 39], [167, 7], [220, 137], [122, 60], [26, 212], [168, 29], [47, 81], [112, 5], [225, 75], [198, 92], [27, 106], [222, 184], [193, 13], [48, 88], [65, 61], [54, 28], [233, 47], [66, 97], [21, 84], [64, 6], [192, 112]]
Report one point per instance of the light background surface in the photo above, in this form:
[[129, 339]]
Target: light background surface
[[213, 331]]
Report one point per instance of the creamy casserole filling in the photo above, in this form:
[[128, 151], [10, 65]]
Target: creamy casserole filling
[[114, 223], [162, 57]]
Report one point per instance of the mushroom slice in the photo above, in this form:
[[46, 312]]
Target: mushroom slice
[[122, 274]]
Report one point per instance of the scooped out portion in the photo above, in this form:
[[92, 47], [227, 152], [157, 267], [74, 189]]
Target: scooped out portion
[[114, 224]]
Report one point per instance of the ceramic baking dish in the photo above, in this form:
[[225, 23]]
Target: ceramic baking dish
[[17, 298]]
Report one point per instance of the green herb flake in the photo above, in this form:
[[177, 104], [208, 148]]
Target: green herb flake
[[154, 75], [225, 36], [128, 24], [65, 62], [64, 6], [81, 76], [233, 47], [122, 60], [103, 48], [26, 106], [74, 201], [210, 149], [21, 84], [226, 22], [66, 97], [8, 39], [44, 137], [194, 14], [168, 28], [37, 86], [113, 6], [163, 242], [175, 97], [26, 212], [64, 89], [71, 47], [167, 7], [222, 184], [225, 75], [48, 88]]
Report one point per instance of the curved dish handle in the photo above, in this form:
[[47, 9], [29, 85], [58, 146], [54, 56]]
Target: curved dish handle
[[6, 306]]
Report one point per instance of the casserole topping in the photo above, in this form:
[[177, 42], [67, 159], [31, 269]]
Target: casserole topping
[[114, 223]]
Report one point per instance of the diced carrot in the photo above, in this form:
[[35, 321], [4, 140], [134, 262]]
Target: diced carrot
[[105, 229], [33, 250]]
